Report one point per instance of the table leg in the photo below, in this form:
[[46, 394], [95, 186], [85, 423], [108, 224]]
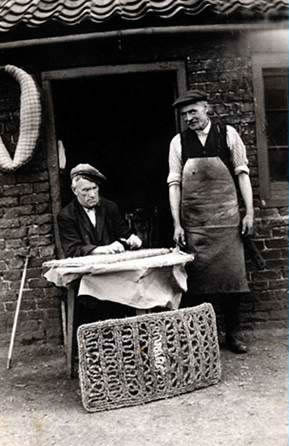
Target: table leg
[[70, 330]]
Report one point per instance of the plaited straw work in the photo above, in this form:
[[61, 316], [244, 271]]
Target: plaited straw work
[[74, 262], [30, 117], [126, 362]]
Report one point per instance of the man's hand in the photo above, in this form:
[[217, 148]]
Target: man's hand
[[134, 242], [179, 236], [248, 225], [113, 248]]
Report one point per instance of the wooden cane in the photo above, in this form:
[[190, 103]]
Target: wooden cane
[[17, 313]]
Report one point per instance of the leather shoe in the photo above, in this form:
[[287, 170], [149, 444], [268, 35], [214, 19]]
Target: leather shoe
[[235, 345]]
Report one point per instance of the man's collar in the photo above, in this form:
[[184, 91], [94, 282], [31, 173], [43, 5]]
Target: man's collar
[[90, 209], [206, 130]]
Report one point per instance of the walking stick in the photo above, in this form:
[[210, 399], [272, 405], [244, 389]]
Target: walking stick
[[17, 313]]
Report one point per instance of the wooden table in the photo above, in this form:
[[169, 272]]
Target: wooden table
[[141, 279]]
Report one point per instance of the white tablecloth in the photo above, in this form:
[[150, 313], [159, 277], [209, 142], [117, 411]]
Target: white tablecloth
[[141, 283]]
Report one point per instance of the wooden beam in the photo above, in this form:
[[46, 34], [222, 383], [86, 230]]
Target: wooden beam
[[237, 27], [52, 161], [73, 73]]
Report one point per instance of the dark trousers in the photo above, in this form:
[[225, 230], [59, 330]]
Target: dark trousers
[[90, 309], [227, 303]]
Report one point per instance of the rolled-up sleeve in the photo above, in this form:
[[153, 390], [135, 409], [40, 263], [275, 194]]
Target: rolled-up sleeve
[[175, 161], [238, 151]]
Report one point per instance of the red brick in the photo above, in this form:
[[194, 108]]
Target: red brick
[[266, 275], [44, 208], [43, 240], [3, 266], [275, 222], [277, 243], [260, 244], [42, 219], [47, 303], [265, 305], [12, 275], [263, 232], [271, 254], [261, 316], [277, 264], [41, 187], [279, 232], [27, 305], [15, 243], [8, 202], [53, 292], [33, 314], [32, 177], [19, 189], [9, 223], [278, 284], [38, 283], [270, 325], [9, 306], [265, 295], [34, 198], [259, 285], [27, 220], [278, 315], [13, 233], [47, 251], [284, 253], [7, 179]]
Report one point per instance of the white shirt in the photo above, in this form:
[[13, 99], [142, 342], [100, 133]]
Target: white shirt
[[91, 215], [235, 144]]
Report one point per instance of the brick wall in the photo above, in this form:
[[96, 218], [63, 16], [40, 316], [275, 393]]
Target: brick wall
[[215, 63], [25, 228], [269, 301]]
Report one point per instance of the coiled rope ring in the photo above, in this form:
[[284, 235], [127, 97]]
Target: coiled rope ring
[[30, 118]]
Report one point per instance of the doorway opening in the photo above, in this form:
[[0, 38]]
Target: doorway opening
[[122, 124]]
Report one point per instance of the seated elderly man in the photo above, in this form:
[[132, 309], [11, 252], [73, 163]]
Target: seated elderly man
[[91, 224]]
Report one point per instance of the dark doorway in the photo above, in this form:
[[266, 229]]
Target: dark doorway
[[121, 124]]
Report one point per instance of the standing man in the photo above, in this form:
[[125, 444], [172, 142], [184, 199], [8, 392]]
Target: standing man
[[91, 224], [203, 160]]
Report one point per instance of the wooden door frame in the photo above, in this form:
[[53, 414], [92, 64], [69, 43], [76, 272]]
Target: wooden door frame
[[178, 67]]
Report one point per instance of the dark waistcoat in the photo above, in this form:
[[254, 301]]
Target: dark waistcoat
[[216, 145]]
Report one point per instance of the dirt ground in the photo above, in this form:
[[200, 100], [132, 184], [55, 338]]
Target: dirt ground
[[41, 406]]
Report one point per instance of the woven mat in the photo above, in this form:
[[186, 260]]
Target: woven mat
[[126, 362]]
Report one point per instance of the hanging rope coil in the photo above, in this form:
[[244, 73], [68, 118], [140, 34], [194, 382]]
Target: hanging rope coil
[[30, 118]]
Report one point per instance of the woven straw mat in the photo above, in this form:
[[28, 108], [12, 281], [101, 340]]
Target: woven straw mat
[[131, 361]]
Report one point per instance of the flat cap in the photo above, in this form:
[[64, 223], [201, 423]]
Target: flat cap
[[190, 97], [87, 171]]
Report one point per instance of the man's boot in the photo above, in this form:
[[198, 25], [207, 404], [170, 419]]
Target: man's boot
[[230, 305]]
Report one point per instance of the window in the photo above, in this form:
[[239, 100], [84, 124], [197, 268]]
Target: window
[[271, 101]]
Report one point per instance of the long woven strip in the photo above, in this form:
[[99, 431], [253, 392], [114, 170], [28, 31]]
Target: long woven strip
[[126, 362], [30, 117], [105, 258]]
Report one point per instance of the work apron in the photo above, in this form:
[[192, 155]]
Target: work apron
[[211, 220]]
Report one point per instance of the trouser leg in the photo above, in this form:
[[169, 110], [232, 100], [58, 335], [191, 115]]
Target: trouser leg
[[191, 299], [230, 305]]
